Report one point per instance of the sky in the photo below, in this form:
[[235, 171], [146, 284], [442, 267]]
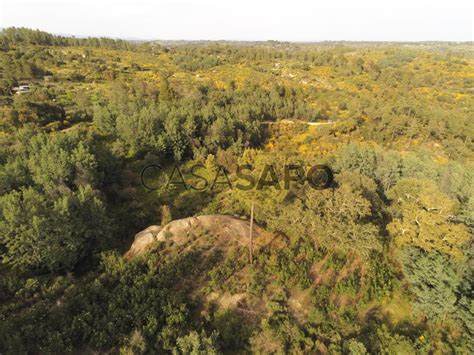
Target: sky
[[290, 20]]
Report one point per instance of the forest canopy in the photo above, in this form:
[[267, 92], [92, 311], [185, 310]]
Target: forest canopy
[[380, 262]]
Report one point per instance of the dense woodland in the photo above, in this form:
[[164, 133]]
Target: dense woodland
[[381, 262]]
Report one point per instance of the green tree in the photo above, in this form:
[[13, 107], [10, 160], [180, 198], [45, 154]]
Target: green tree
[[197, 344], [41, 232], [422, 217], [434, 280]]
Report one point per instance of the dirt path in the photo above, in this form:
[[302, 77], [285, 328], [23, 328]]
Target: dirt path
[[290, 122]]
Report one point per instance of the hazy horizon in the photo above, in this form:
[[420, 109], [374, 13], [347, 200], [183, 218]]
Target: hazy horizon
[[209, 20], [72, 35]]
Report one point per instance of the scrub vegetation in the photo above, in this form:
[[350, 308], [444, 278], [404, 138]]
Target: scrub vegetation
[[381, 262]]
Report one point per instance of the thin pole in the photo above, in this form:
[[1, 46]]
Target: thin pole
[[251, 233]]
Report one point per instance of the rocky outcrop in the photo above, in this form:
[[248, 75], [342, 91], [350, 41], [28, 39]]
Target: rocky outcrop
[[224, 228]]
